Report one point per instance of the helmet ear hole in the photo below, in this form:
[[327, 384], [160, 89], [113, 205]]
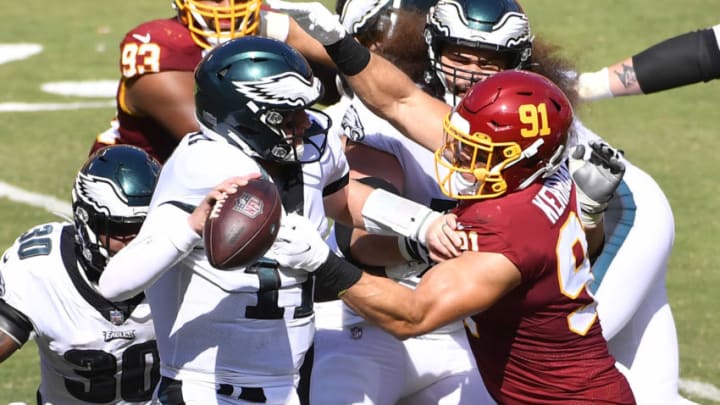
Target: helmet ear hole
[[222, 73]]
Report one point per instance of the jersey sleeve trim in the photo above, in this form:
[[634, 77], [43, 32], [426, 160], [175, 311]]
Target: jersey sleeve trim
[[14, 323], [336, 185]]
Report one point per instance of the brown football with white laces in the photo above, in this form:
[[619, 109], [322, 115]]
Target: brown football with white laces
[[243, 226]]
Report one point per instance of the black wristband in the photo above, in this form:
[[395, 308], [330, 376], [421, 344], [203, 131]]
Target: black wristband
[[350, 56], [336, 275]]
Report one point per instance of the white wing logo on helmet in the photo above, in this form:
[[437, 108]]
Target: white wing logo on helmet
[[288, 88], [511, 30], [114, 202], [356, 14], [352, 125]]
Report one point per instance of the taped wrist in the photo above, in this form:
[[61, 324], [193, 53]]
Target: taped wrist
[[350, 57], [591, 212], [594, 85], [336, 275], [412, 250], [388, 214]]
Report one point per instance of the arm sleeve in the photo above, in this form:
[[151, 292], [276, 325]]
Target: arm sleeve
[[165, 238], [685, 59], [14, 324]]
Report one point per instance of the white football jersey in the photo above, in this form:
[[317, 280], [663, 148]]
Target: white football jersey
[[417, 162], [91, 350], [248, 326], [357, 362]]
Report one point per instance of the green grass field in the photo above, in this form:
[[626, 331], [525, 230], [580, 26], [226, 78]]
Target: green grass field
[[671, 135]]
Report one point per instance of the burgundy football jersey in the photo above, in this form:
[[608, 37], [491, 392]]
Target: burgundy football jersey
[[542, 342], [155, 46]]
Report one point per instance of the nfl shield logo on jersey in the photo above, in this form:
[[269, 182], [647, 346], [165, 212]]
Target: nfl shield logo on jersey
[[249, 205], [116, 317]]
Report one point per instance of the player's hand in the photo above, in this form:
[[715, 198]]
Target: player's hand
[[442, 241], [298, 244], [219, 193], [314, 18], [597, 174]]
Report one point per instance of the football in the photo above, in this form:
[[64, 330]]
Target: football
[[243, 226]]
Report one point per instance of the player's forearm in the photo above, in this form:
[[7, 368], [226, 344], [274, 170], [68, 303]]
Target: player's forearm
[[390, 93], [159, 245], [386, 304], [7, 346]]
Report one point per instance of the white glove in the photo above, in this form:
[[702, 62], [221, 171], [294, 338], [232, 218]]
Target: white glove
[[314, 18], [596, 176], [356, 13], [299, 244]]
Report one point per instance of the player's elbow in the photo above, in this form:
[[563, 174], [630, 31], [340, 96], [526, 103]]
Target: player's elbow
[[411, 326], [111, 290]]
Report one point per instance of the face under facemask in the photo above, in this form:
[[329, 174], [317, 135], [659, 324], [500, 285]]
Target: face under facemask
[[462, 186]]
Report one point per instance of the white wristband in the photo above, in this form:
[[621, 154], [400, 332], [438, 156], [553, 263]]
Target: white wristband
[[594, 86], [385, 213]]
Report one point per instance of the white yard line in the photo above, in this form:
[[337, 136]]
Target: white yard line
[[13, 52], [700, 389], [46, 202], [26, 107]]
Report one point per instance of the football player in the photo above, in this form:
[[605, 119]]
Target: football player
[[240, 336], [91, 350], [631, 268], [678, 61], [155, 105], [521, 278], [470, 41]]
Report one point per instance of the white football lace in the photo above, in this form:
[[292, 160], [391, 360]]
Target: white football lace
[[215, 212]]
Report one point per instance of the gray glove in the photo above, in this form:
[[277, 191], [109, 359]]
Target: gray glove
[[314, 18], [596, 176]]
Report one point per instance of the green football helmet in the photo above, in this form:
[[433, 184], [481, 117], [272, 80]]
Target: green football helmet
[[110, 198], [247, 91], [500, 26]]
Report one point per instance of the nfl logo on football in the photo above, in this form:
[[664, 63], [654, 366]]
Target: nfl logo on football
[[249, 205]]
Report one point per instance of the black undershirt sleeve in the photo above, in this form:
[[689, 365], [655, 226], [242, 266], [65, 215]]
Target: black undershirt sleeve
[[678, 61]]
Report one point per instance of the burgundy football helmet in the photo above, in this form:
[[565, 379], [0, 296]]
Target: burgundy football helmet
[[508, 131]]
